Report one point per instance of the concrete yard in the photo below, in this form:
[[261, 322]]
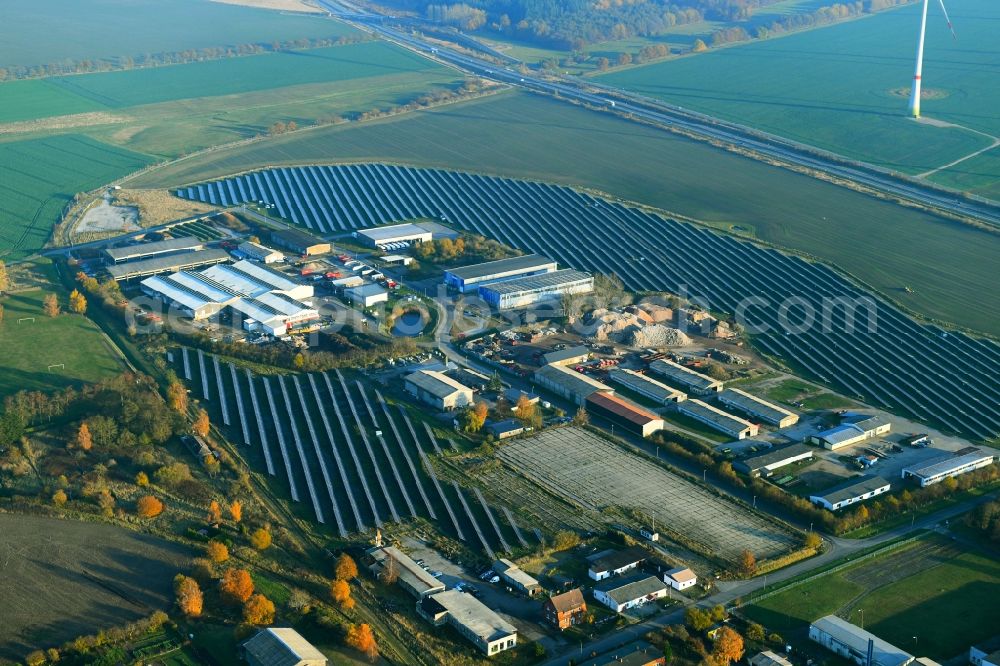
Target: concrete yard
[[595, 473]]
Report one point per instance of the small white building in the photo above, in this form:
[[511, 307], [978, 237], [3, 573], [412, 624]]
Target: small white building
[[615, 562], [366, 295], [438, 390], [258, 252], [621, 594], [680, 578], [851, 492]]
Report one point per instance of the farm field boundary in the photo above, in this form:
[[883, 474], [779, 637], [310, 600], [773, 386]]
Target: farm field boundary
[[529, 137], [59, 574], [843, 88], [109, 30], [42, 175]]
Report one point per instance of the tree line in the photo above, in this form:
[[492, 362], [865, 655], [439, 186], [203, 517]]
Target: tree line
[[572, 24], [91, 65]]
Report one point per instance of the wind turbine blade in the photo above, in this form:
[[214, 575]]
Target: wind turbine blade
[[945, 12]]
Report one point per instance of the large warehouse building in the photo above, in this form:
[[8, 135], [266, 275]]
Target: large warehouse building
[[568, 383], [948, 465], [694, 382], [768, 412], [717, 419], [140, 251], [266, 301], [167, 263], [853, 643], [438, 389], [394, 233], [854, 429], [409, 575], [527, 291], [765, 463], [470, 278], [630, 416], [299, 242], [471, 618], [851, 492], [647, 386]]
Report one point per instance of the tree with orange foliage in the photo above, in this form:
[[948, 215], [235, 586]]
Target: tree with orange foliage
[[236, 586], [148, 506], [258, 610], [84, 441], [189, 597], [217, 551], [201, 424], [50, 304], [214, 513], [236, 511], [346, 568], [177, 397], [361, 638], [748, 563], [260, 539], [340, 592], [728, 646]]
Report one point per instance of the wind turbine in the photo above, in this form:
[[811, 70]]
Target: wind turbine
[[915, 92]]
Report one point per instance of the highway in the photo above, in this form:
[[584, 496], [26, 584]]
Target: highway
[[630, 105]]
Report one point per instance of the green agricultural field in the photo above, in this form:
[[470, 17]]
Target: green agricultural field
[[977, 175], [64, 579], [844, 88], [30, 347], [530, 137], [27, 100], [39, 176], [36, 33], [932, 589]]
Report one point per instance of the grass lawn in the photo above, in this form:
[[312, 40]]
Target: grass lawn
[[530, 137], [40, 176], [977, 175], [827, 401], [29, 347], [37, 34], [931, 589], [948, 607], [841, 88], [789, 390]]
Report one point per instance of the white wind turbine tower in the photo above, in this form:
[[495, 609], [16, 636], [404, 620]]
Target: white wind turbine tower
[[915, 92]]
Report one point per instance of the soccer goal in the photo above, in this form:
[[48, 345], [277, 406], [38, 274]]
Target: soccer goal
[[61, 366], [26, 319]]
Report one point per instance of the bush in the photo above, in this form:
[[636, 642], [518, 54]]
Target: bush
[[148, 507]]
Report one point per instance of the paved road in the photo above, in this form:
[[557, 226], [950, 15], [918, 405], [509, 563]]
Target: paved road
[[837, 549], [630, 105]]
